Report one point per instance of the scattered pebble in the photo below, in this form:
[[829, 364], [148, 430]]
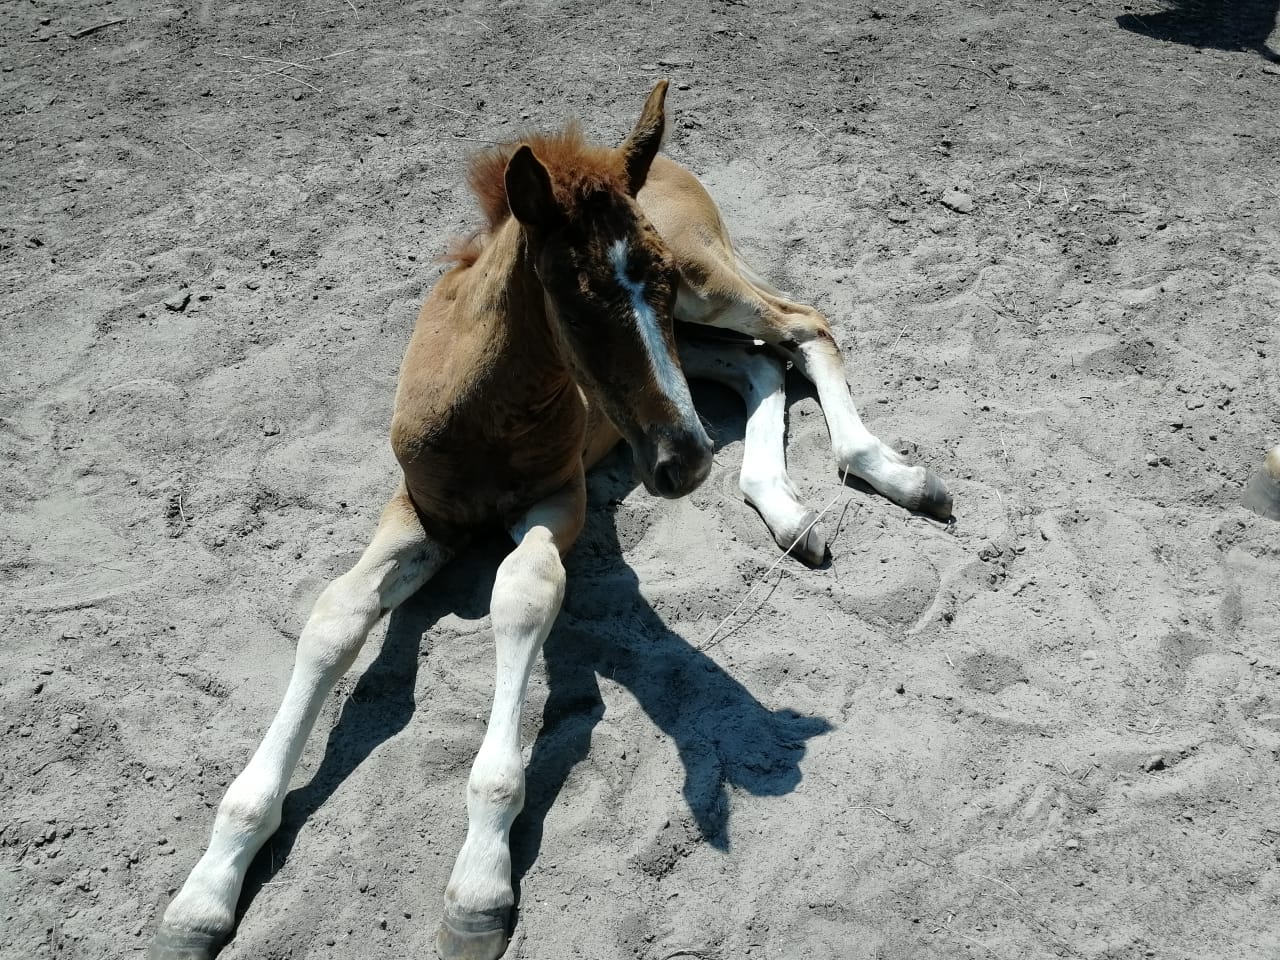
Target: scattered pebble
[[252, 284], [178, 302], [1072, 844], [900, 688], [1153, 763], [957, 200], [269, 427]]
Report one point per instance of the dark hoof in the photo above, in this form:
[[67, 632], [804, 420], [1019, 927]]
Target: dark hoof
[[174, 944], [811, 545], [1262, 494], [475, 936], [936, 499]]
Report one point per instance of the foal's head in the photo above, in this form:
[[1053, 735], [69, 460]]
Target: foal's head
[[610, 287]]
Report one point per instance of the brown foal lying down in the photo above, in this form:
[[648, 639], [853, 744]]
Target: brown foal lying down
[[550, 339]]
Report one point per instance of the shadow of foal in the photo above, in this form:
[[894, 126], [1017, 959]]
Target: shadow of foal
[[726, 738], [382, 702]]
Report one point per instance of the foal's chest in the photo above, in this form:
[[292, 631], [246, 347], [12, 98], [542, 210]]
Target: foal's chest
[[486, 454]]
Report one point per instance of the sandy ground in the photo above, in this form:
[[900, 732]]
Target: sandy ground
[[1048, 239]]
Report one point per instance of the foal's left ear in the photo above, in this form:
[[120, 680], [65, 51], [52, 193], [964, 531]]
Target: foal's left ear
[[529, 193], [639, 149]]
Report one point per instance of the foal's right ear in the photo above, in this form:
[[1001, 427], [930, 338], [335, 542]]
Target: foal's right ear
[[639, 149], [529, 192]]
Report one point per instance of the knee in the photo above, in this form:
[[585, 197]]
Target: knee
[[807, 328], [499, 787], [246, 808], [530, 582]]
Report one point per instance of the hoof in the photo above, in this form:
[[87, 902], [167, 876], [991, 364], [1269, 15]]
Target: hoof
[[936, 499], [173, 944], [1262, 494], [475, 936], [812, 544]]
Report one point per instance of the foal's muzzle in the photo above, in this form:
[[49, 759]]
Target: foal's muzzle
[[680, 459]]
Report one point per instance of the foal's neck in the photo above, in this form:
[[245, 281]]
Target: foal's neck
[[521, 309]]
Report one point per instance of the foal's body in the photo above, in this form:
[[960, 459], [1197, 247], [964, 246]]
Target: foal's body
[[549, 341]]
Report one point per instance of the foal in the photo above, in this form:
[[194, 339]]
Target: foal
[[550, 340]]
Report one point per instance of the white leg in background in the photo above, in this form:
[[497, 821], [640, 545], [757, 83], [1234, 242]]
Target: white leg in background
[[398, 560], [804, 336], [526, 599], [759, 379], [857, 450]]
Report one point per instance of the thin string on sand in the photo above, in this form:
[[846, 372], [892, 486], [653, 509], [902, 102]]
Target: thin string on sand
[[286, 65], [712, 639], [199, 154]]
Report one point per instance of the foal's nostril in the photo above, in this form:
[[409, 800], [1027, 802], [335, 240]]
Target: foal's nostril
[[666, 477]]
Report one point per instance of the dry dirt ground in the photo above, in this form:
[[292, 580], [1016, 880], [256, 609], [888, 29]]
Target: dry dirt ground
[[1047, 234]]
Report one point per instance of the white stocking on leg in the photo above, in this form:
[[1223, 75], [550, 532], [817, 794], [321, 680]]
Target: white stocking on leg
[[857, 450], [758, 378], [396, 563], [526, 598]]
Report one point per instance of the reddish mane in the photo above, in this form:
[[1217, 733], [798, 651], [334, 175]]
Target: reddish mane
[[577, 169]]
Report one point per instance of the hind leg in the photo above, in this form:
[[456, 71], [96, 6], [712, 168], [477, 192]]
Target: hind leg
[[732, 297], [398, 560], [759, 379], [807, 340]]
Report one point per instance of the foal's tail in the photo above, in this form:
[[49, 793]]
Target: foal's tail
[[760, 283]]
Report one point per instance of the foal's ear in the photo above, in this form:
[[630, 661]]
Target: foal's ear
[[529, 192], [639, 149]]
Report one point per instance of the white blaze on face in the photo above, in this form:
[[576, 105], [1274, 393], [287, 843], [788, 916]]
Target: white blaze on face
[[668, 376]]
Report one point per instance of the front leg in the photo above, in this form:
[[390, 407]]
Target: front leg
[[526, 598], [399, 560]]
